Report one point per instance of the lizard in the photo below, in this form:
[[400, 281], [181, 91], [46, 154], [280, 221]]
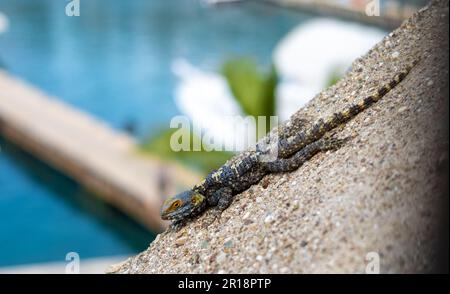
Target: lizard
[[219, 187]]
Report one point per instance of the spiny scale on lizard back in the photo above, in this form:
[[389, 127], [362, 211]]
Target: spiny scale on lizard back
[[228, 172]]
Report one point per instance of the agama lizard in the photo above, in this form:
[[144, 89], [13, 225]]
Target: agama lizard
[[219, 187]]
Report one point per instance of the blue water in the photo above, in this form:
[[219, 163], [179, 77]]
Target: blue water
[[113, 61], [45, 215]]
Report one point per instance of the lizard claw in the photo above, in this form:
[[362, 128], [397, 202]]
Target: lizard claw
[[211, 217], [176, 225]]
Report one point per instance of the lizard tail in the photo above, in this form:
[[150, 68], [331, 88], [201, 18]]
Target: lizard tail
[[354, 109], [288, 147]]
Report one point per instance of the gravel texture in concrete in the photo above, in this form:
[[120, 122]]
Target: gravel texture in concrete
[[382, 192]]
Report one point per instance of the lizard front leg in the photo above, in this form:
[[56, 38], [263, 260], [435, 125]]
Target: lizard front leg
[[219, 200]]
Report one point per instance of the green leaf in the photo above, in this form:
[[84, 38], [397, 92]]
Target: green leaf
[[334, 77], [252, 88], [202, 160]]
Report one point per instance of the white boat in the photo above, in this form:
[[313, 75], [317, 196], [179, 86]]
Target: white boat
[[307, 56], [217, 2], [4, 23]]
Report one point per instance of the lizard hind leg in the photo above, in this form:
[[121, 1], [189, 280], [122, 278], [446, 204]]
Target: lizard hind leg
[[332, 143], [300, 157], [292, 127]]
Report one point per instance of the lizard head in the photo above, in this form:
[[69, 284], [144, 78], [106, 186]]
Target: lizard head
[[180, 206]]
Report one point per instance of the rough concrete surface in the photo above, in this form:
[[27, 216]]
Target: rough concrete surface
[[382, 192]]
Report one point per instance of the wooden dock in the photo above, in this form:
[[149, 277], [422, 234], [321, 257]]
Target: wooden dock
[[101, 159], [391, 14]]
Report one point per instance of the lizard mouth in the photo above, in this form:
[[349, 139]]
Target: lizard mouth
[[173, 215], [169, 215]]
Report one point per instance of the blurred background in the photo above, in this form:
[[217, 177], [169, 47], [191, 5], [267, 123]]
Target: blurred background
[[131, 66]]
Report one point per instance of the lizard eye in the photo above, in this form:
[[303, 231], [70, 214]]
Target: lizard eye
[[176, 204]]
